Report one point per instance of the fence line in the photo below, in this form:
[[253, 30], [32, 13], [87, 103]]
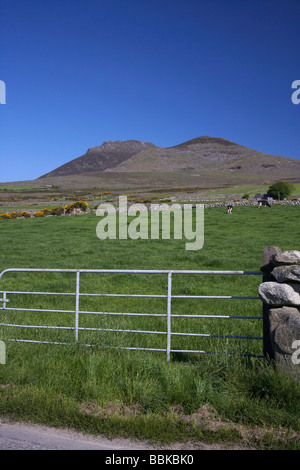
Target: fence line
[[168, 315]]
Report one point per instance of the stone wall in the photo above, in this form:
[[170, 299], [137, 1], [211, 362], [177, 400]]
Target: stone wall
[[280, 293], [295, 202]]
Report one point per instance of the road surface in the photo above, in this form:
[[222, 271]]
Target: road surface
[[23, 436]]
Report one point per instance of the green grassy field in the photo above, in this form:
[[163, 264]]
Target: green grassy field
[[138, 393]]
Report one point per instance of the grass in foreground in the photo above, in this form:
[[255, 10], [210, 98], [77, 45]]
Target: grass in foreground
[[141, 396]]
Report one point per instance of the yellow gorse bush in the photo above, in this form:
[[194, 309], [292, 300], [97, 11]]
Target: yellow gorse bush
[[6, 215], [82, 205], [14, 215], [62, 209]]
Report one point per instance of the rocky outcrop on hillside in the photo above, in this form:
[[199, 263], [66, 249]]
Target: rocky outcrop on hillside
[[100, 158]]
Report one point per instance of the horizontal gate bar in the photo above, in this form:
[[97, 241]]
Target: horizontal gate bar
[[36, 293], [36, 310], [212, 297], [130, 348], [215, 316], [162, 296], [212, 352], [131, 331], [39, 326], [129, 271], [133, 314]]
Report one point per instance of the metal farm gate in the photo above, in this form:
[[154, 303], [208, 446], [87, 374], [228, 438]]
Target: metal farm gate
[[167, 314]]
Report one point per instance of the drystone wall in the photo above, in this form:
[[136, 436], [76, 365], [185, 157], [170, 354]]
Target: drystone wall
[[280, 294], [245, 202]]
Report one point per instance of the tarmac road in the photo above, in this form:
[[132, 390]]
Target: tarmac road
[[23, 436], [20, 436]]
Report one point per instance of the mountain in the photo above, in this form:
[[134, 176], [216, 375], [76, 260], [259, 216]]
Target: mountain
[[106, 156], [201, 161]]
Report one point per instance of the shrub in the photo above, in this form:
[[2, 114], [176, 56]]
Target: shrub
[[76, 205], [39, 214], [14, 215], [43, 213], [46, 211], [280, 190], [80, 205], [25, 214], [57, 210], [6, 215]]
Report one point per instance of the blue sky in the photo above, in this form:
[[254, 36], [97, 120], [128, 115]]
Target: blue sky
[[79, 72]]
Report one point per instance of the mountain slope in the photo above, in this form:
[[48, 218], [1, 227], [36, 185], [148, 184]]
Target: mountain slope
[[107, 155], [205, 161], [205, 154]]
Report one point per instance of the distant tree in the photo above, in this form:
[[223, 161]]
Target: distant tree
[[280, 190], [246, 196]]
